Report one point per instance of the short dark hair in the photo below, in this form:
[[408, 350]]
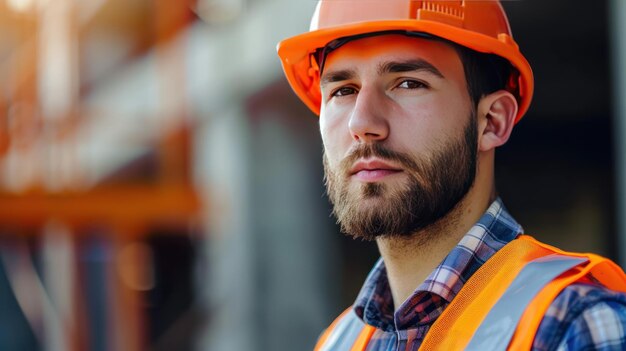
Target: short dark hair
[[486, 73]]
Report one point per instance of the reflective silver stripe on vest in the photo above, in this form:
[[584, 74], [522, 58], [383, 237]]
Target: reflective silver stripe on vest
[[344, 335], [496, 331]]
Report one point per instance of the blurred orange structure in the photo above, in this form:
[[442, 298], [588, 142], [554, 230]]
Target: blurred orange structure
[[50, 194]]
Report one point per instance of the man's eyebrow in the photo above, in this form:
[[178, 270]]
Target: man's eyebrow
[[385, 67], [336, 76], [408, 66]]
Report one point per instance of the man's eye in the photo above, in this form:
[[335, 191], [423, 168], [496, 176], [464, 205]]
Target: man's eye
[[412, 84], [343, 91]]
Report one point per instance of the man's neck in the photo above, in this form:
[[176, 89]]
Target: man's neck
[[409, 260]]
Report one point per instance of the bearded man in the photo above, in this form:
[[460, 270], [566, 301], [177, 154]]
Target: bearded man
[[413, 99]]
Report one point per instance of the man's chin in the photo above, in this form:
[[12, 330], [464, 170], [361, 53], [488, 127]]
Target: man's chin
[[373, 206]]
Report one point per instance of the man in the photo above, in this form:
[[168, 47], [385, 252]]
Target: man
[[414, 97]]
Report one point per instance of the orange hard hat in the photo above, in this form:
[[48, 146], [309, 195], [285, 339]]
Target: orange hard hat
[[480, 25]]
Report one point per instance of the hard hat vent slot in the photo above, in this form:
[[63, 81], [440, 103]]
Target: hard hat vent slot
[[450, 8]]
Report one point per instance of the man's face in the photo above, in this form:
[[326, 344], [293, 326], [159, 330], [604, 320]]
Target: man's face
[[399, 134]]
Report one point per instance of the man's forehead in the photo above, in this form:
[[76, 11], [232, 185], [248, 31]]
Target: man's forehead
[[377, 51]]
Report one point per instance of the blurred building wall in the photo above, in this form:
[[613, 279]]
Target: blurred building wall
[[617, 10]]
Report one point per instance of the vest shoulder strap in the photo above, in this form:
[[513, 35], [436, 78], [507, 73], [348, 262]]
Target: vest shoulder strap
[[525, 274], [347, 333], [603, 270], [496, 330]]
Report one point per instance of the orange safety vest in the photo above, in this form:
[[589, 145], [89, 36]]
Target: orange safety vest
[[500, 306]]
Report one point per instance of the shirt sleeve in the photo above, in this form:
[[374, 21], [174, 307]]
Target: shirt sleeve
[[585, 316], [599, 327]]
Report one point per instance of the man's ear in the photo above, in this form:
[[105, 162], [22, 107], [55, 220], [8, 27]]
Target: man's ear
[[496, 117]]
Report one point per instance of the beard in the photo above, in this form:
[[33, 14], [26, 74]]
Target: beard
[[436, 184]]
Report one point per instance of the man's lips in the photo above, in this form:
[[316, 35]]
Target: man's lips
[[373, 170]]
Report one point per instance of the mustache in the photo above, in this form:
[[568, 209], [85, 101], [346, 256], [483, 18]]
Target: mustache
[[379, 151]]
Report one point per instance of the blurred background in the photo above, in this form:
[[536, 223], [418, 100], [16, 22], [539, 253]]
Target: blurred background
[[161, 187]]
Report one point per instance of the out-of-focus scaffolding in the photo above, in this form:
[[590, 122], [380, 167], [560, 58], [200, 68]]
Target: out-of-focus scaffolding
[[53, 191]]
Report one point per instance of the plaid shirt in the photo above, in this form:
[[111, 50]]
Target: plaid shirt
[[582, 317]]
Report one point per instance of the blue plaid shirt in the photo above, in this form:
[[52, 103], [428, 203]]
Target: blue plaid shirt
[[582, 317]]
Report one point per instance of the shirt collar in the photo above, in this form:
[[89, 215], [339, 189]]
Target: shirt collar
[[374, 303]]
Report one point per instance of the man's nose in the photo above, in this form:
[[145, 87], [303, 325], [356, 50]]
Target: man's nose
[[368, 121]]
